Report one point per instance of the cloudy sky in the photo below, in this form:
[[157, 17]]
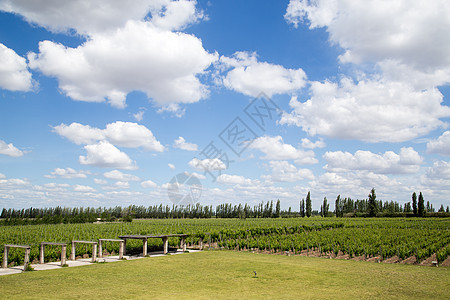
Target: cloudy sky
[[102, 104]]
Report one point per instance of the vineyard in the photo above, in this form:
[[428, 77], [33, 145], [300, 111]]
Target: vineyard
[[383, 238]]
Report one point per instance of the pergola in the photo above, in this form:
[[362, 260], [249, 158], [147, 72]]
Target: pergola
[[144, 239]]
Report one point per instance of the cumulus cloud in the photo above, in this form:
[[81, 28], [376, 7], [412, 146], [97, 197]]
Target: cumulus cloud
[[118, 185], [68, 173], [124, 134], [119, 176], [100, 181], [2, 176], [171, 166], [400, 43], [14, 74], [87, 17], [105, 155], [132, 135], [79, 134], [234, 179], [307, 143], [137, 57], [441, 145], [275, 149], [439, 170], [407, 162], [182, 144], [251, 77], [283, 171], [410, 32], [83, 188], [207, 164], [370, 110], [139, 116], [10, 150], [148, 184]]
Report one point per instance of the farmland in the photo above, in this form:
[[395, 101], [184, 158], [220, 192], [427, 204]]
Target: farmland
[[368, 238]]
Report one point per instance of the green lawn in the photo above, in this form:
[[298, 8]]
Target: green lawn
[[227, 274]]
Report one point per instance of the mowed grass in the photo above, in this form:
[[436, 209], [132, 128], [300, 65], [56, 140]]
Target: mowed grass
[[228, 274]]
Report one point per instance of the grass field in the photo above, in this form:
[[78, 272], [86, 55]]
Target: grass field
[[229, 274]]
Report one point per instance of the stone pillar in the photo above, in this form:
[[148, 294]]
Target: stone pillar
[[100, 249], [41, 254], [144, 247], [183, 243], [72, 254], [5, 257], [94, 252], [200, 242], [121, 249], [63, 255], [166, 244], [26, 260], [124, 246]]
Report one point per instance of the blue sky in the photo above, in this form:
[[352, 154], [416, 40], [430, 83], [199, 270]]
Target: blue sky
[[103, 104]]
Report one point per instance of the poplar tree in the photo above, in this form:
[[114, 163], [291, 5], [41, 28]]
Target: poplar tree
[[414, 203], [337, 206], [308, 205], [373, 208], [278, 209], [302, 208], [324, 207], [421, 206]]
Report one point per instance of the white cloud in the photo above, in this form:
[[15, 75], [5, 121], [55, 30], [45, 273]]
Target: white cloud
[[275, 149], [83, 188], [139, 116], [100, 181], [250, 77], [14, 75], [132, 135], [306, 143], [79, 134], [137, 57], [401, 43], [207, 164], [177, 15], [283, 171], [119, 176], [441, 145], [10, 150], [106, 155], [439, 170], [412, 32], [68, 173], [87, 17], [407, 162], [124, 134], [12, 182], [2, 176], [182, 144], [371, 110], [234, 179], [148, 184], [171, 166]]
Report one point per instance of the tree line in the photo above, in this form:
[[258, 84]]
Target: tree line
[[344, 207]]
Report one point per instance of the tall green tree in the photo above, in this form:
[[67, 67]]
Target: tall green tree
[[373, 208], [278, 209], [302, 208], [324, 207], [414, 203], [421, 206], [308, 205], [337, 206]]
